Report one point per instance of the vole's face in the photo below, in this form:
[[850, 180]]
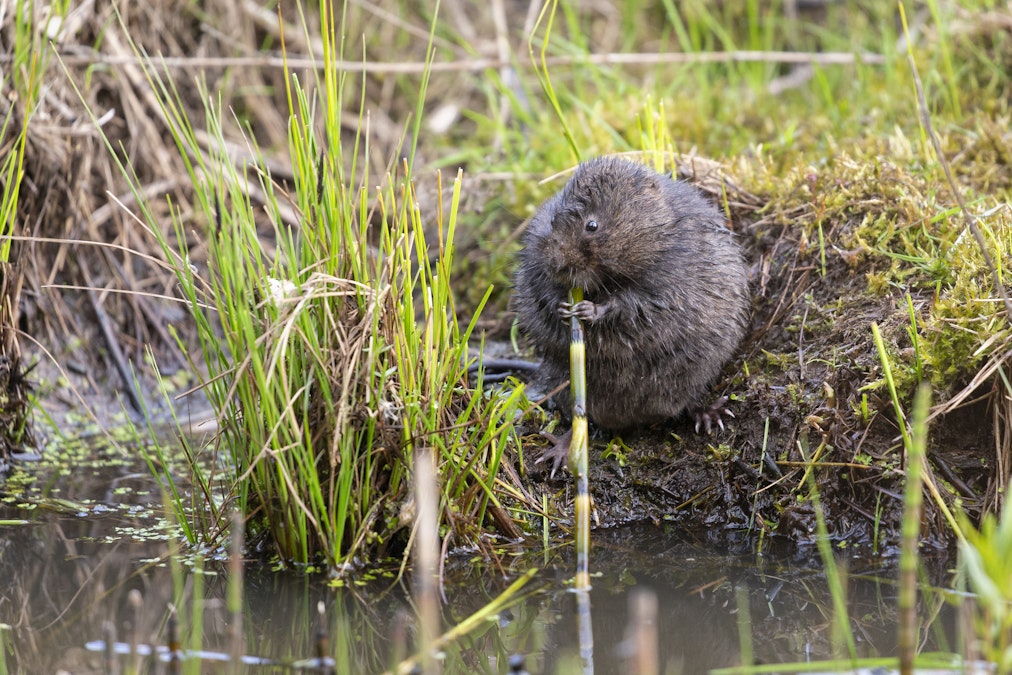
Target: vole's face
[[575, 243], [594, 234]]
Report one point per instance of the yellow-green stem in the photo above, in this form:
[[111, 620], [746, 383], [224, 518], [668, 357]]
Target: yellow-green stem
[[578, 445], [912, 507]]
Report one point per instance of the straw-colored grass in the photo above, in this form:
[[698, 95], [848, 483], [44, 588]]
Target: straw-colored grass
[[333, 352]]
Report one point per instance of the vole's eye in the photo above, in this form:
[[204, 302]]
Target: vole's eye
[[591, 226]]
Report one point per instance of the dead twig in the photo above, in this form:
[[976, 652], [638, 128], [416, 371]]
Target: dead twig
[[109, 333]]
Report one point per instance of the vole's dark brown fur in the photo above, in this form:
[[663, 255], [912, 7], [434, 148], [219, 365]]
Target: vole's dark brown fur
[[665, 288]]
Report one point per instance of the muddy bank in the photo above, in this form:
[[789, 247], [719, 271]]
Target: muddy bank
[[808, 390]]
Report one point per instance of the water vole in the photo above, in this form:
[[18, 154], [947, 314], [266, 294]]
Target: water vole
[[665, 288]]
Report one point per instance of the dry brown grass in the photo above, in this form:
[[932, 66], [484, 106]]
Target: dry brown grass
[[92, 276]]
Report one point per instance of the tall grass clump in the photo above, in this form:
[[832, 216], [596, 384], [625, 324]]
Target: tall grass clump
[[327, 328], [20, 85]]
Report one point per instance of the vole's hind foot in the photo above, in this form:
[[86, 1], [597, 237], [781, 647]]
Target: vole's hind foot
[[557, 452], [707, 417]]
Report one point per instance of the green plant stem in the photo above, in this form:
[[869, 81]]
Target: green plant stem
[[833, 576], [901, 422], [911, 531], [578, 450], [541, 68]]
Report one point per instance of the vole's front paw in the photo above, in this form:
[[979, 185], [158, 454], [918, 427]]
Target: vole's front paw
[[584, 310]]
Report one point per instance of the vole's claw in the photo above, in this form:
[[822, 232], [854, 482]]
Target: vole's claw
[[557, 452], [707, 417]]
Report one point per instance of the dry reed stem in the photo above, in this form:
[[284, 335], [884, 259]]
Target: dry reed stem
[[480, 64]]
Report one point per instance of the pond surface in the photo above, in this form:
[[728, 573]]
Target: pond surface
[[87, 563]]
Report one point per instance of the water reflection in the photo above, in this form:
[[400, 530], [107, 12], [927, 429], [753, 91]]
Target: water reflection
[[70, 573]]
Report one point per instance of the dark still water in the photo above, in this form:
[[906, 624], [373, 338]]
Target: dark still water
[[92, 566]]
